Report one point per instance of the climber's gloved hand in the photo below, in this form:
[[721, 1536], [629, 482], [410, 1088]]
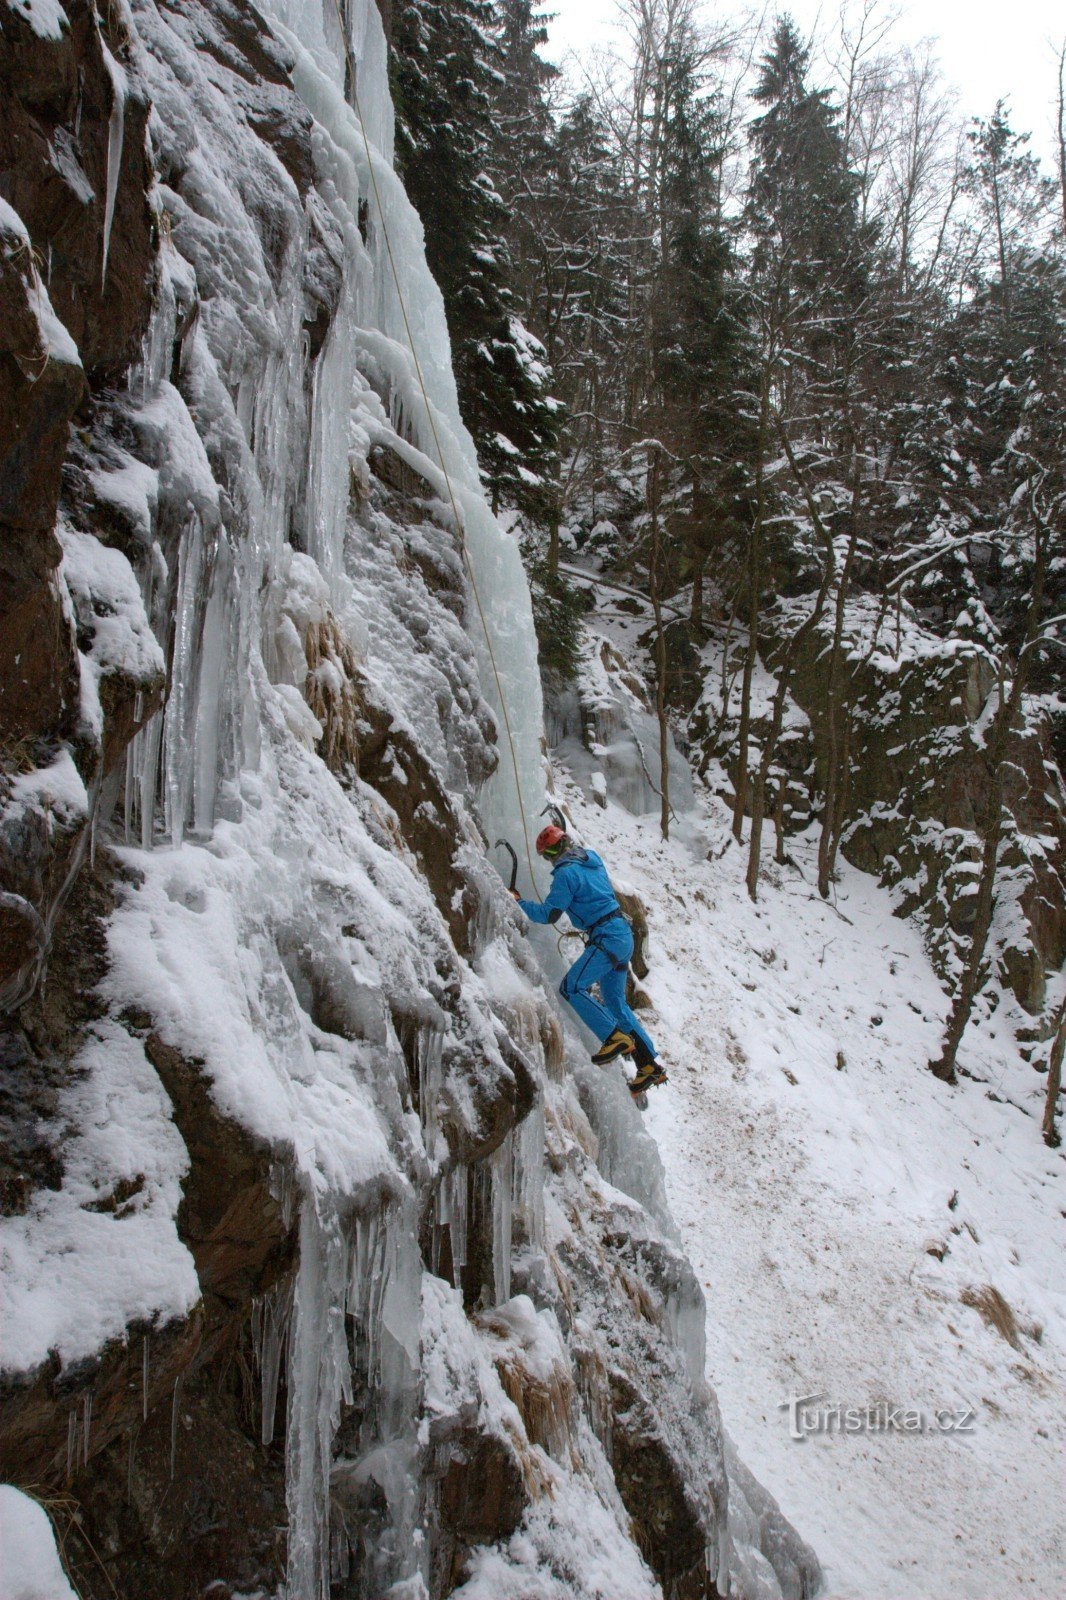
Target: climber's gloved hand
[[515, 895]]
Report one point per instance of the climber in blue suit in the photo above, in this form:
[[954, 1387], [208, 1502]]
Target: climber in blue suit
[[581, 888]]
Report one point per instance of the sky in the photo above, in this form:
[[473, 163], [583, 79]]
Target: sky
[[988, 48]]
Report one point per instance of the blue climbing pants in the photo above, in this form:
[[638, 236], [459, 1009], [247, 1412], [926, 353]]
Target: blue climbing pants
[[605, 961]]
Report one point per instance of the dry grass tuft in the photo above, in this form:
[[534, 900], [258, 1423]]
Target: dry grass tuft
[[995, 1312]]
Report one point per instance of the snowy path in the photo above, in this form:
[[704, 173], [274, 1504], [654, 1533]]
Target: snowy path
[[809, 1196]]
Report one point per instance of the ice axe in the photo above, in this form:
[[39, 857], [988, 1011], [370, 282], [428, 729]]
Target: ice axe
[[551, 810], [501, 844]]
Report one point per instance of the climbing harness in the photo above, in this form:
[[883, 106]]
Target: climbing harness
[[459, 525]]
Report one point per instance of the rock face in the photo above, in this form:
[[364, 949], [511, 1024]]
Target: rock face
[[920, 788], [318, 1268], [919, 785]]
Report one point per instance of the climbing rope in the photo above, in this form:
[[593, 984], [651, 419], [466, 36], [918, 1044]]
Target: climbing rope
[[460, 527]]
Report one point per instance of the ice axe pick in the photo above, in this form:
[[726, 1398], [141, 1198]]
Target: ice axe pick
[[502, 844]]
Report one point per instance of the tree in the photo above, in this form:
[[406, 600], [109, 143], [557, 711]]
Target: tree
[[1011, 195], [445, 68], [700, 360], [814, 276]]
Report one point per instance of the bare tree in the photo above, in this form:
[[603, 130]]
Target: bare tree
[[1062, 132], [923, 167], [868, 87], [655, 565], [785, 669], [1054, 1079]]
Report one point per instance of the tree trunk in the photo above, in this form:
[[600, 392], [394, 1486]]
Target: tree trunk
[[553, 549], [784, 679], [944, 1066], [779, 821], [696, 613], [842, 788], [1054, 1080], [660, 648], [1062, 133], [835, 773], [754, 584]]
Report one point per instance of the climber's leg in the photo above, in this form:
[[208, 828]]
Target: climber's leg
[[590, 967]]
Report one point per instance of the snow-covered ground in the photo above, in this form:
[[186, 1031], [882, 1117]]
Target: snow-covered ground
[[841, 1206]]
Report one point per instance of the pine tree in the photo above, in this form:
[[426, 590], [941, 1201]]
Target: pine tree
[[1012, 196], [446, 66], [811, 255], [823, 320], [701, 358]]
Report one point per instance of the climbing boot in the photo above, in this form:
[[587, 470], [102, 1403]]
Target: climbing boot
[[648, 1075], [616, 1044]]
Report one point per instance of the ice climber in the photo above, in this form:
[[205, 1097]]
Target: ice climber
[[581, 888]]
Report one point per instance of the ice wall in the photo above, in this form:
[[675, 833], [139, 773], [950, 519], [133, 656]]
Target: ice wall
[[402, 331]]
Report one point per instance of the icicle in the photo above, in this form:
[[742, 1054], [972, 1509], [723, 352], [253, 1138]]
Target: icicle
[[208, 710], [274, 1314], [380, 1266], [718, 1560], [319, 1374], [130, 787], [457, 1219], [283, 1190], [174, 1404], [153, 737], [502, 1180], [181, 707], [429, 1053], [115, 137], [72, 1439], [87, 1414], [144, 1379], [529, 1176]]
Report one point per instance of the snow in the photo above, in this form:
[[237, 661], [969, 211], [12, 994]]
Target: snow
[[46, 17], [196, 944], [568, 1548], [57, 788], [573, 1543], [812, 1164], [133, 487], [87, 1260], [56, 342], [29, 1567], [107, 598]]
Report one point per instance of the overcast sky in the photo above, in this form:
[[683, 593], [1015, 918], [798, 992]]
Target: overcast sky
[[987, 48]]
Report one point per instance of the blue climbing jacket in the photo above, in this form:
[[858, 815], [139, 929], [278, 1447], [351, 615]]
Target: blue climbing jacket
[[580, 887]]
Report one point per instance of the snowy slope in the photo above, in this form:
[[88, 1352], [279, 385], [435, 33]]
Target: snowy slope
[[841, 1206]]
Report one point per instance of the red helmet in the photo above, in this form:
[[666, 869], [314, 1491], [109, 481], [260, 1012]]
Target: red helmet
[[550, 840]]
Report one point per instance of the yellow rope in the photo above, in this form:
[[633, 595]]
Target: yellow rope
[[433, 430]]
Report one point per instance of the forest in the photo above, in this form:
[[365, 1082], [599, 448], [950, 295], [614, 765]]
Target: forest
[[781, 341]]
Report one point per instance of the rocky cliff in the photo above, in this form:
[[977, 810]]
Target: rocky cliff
[[916, 804], [330, 1266]]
